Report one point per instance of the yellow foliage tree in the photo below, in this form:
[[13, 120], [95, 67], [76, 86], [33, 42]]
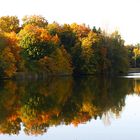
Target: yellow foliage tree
[[9, 54]]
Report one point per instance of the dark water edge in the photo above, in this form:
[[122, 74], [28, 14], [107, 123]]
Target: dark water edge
[[33, 76], [43, 76]]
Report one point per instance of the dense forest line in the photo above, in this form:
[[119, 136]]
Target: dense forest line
[[40, 47]]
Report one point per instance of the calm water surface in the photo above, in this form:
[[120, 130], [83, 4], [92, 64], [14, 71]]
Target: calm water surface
[[67, 108]]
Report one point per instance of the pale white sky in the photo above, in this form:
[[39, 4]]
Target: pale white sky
[[123, 15]]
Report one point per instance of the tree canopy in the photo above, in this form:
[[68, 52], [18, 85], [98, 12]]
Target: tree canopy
[[39, 46]]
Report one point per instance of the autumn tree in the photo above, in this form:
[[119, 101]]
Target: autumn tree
[[53, 28], [67, 37], [9, 54], [85, 64], [136, 57], [56, 48], [9, 23], [59, 62], [80, 30], [35, 20], [37, 42], [44, 51]]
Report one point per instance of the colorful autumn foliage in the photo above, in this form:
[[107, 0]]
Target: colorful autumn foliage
[[35, 20], [9, 54], [37, 42], [41, 47], [9, 24]]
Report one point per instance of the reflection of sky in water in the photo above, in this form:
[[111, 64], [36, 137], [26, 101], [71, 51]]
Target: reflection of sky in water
[[125, 127], [133, 75]]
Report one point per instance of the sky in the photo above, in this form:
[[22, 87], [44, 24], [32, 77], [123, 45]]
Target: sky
[[110, 15]]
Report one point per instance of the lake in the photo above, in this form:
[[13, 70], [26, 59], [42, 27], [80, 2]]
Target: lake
[[69, 108]]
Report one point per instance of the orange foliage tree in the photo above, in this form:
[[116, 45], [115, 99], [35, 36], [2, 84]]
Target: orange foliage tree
[[9, 54]]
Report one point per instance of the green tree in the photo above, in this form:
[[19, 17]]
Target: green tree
[[117, 54], [67, 37]]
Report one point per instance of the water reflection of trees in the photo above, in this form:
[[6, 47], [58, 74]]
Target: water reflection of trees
[[39, 105]]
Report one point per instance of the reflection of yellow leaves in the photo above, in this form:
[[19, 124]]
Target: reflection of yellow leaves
[[81, 118], [89, 108], [13, 117], [56, 98], [136, 87]]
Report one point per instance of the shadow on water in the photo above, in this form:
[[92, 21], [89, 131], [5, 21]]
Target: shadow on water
[[38, 105]]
